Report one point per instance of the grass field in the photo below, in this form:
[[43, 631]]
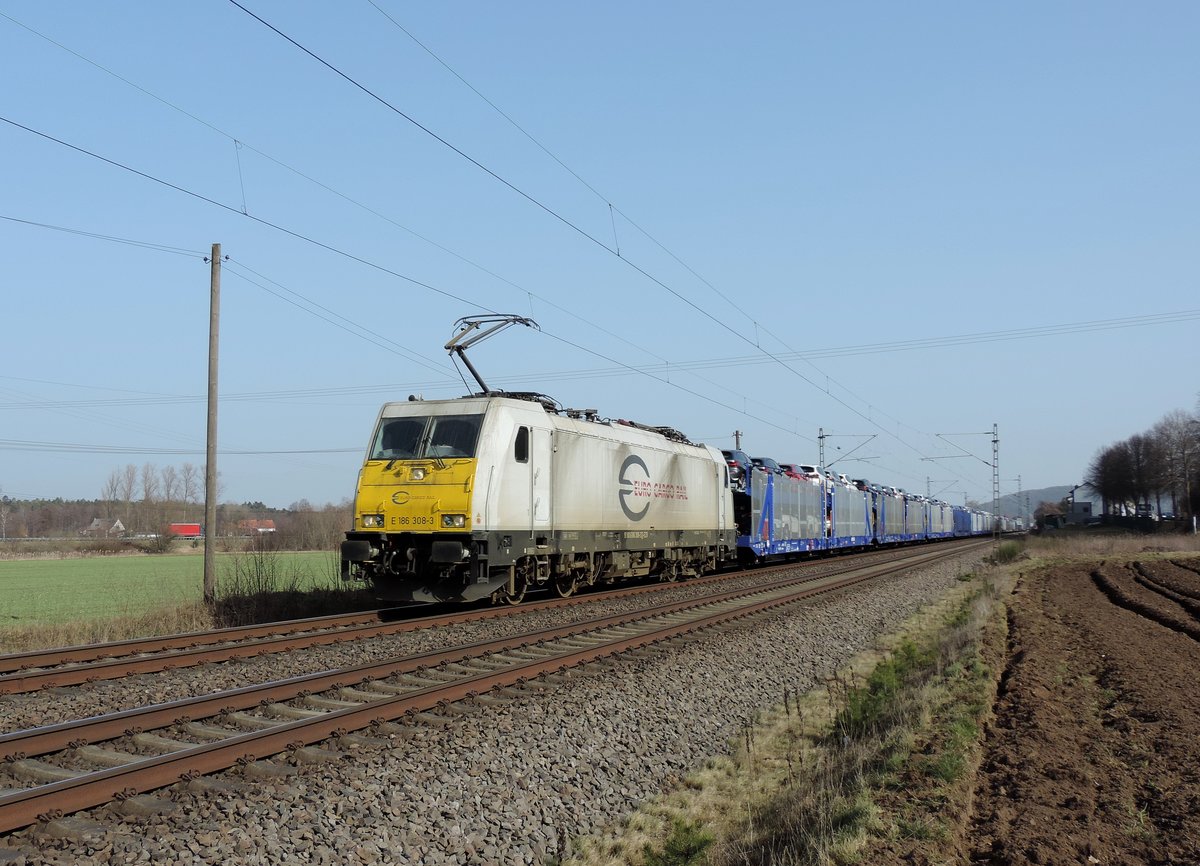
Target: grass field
[[36, 592]]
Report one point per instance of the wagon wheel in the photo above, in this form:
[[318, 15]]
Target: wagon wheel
[[670, 572], [565, 585]]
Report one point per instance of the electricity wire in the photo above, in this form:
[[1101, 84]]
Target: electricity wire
[[724, 325]]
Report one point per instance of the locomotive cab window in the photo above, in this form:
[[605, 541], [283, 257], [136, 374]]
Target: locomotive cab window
[[417, 437], [521, 446]]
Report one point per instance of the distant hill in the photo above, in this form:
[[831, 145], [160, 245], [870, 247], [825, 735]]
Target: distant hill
[[1010, 506]]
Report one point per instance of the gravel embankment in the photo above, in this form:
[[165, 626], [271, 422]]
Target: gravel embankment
[[501, 786], [18, 712]]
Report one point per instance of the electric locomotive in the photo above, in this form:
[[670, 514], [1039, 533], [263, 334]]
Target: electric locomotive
[[496, 493], [493, 494]]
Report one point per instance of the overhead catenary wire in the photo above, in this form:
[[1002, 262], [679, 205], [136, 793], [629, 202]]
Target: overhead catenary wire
[[628, 369], [330, 316], [678, 366], [162, 248], [81, 448], [241, 144], [616, 247], [320, 244], [771, 355], [595, 240], [238, 144], [264, 222]]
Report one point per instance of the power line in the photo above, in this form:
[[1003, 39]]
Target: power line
[[162, 248], [290, 168], [79, 448], [320, 244], [354, 328], [277, 227], [432, 288], [659, 244], [355, 83], [341, 322], [422, 127], [238, 144]]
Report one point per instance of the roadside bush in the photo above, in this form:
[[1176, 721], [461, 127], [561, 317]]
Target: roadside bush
[[1007, 552], [104, 546], [160, 542], [881, 703], [262, 586]]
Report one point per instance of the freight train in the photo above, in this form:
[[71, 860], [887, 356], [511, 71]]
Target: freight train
[[495, 494]]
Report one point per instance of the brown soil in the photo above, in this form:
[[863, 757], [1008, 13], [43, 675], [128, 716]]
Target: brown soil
[[1093, 755]]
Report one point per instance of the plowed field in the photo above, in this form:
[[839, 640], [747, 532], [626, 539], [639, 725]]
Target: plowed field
[[1094, 752]]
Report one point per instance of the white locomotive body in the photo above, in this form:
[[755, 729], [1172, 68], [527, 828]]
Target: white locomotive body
[[491, 495]]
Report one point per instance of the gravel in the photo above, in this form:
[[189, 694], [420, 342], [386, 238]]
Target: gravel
[[501, 786]]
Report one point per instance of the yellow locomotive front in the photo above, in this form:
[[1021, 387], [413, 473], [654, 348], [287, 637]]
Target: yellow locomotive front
[[412, 510]]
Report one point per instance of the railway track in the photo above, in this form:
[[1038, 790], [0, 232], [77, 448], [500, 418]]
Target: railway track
[[54, 668], [64, 768]]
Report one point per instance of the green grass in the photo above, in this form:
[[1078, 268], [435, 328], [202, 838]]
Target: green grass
[[685, 846], [48, 591]]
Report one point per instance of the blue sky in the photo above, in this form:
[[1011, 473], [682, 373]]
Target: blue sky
[[903, 220]]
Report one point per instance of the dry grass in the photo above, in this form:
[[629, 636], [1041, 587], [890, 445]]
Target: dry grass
[[174, 619], [788, 792], [1071, 546]]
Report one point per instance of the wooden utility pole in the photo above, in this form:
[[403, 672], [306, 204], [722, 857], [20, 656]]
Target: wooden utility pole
[[210, 464]]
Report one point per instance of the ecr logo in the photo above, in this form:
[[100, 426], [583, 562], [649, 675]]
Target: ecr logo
[[634, 479]]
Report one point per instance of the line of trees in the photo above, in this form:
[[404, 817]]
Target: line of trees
[[147, 499], [1161, 465]]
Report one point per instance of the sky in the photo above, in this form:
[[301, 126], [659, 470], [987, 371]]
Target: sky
[[898, 225]]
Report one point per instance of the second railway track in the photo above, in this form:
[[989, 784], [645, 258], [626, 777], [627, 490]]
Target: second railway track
[[69, 666], [156, 746]]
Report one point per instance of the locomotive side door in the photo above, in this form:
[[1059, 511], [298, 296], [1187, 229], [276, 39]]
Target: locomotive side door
[[723, 497], [541, 460]]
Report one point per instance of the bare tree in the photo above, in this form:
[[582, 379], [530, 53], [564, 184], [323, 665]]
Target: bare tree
[[128, 483], [190, 481], [1046, 509], [1178, 434], [149, 483], [111, 491], [305, 527], [1148, 464], [170, 484], [1110, 474]]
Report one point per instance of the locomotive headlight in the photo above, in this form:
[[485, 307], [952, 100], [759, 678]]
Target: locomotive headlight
[[372, 521], [418, 473], [454, 521]]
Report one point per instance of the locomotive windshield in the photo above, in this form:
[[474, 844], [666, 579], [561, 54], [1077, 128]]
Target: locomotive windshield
[[415, 437]]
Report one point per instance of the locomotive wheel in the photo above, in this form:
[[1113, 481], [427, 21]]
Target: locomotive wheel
[[520, 583], [518, 594], [565, 585]]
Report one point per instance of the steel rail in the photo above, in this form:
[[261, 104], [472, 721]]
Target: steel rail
[[191, 656], [26, 807], [50, 738], [193, 649], [184, 640]]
